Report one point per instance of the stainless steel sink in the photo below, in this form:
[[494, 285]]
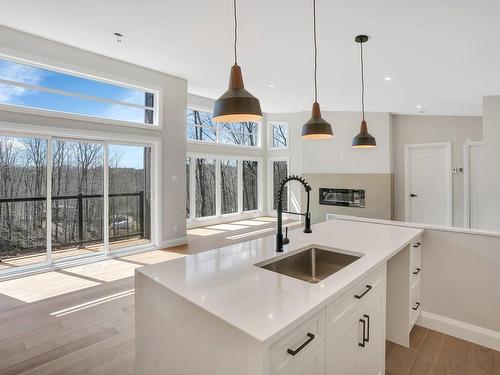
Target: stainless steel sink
[[312, 264]]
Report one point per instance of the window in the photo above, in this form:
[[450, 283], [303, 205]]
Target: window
[[205, 187], [220, 186], [250, 185], [76, 174], [229, 186], [279, 173], [30, 86], [279, 134], [200, 127]]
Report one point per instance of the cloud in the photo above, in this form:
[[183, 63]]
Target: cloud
[[18, 73]]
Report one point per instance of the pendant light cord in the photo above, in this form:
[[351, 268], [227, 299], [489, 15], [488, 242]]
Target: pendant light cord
[[235, 33], [362, 83], [315, 55]]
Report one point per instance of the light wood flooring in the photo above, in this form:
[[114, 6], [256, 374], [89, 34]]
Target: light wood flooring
[[80, 320]]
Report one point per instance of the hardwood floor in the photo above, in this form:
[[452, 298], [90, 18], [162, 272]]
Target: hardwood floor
[[80, 320], [433, 353]]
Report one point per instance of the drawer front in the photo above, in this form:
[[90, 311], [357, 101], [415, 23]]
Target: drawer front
[[294, 347], [415, 302], [348, 303], [416, 254], [313, 363]]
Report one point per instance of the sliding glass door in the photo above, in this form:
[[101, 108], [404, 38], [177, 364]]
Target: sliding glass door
[[77, 198], [129, 196], [65, 198], [23, 205]]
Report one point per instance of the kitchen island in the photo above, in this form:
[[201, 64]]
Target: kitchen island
[[220, 312]]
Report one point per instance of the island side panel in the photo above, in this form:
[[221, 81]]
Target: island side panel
[[174, 336]]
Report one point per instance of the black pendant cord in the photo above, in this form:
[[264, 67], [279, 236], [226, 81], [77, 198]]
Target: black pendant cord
[[315, 55], [235, 33], [362, 83]]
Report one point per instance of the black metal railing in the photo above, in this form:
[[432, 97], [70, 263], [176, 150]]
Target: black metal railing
[[117, 230]]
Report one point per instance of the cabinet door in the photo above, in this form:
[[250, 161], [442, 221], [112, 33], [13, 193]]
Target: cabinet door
[[342, 354], [312, 364], [373, 354]]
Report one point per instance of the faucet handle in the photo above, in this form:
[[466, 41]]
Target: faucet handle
[[286, 240]]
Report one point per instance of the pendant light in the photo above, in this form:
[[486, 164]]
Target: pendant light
[[363, 139], [236, 104], [316, 127]]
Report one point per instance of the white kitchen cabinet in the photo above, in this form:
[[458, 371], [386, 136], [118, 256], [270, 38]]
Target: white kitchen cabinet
[[357, 347], [404, 303], [312, 364]]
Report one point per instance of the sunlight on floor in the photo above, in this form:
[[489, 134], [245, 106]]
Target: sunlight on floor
[[248, 234], [107, 270], [252, 223], [92, 303], [265, 218], [203, 232], [227, 227], [28, 289]]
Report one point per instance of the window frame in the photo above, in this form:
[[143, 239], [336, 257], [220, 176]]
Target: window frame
[[270, 125], [218, 131], [194, 221], [270, 180], [51, 133], [84, 73]]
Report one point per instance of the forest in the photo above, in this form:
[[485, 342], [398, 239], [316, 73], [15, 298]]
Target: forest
[[77, 186]]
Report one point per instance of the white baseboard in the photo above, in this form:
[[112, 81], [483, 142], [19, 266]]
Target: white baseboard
[[465, 331], [174, 242]]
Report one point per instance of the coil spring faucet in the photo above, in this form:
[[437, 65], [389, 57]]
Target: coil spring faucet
[[307, 227]]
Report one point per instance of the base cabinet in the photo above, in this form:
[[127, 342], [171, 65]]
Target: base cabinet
[[313, 364], [358, 346]]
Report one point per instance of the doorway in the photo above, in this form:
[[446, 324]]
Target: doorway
[[428, 186]]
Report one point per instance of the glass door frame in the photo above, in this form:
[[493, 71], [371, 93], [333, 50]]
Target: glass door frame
[[50, 134]]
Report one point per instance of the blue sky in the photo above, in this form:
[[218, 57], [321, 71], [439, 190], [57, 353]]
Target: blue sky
[[36, 76], [129, 156]]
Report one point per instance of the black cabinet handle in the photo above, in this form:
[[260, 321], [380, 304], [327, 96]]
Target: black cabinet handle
[[359, 296], [309, 339], [417, 271], [417, 305], [362, 344], [417, 244], [413, 195], [367, 327]]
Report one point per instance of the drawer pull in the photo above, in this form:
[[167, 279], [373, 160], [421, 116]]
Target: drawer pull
[[359, 296], [294, 352], [362, 344], [417, 244], [417, 271], [417, 305]]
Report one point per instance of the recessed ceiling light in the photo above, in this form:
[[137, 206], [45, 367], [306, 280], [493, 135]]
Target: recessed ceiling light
[[271, 86], [119, 37], [420, 106], [388, 78]]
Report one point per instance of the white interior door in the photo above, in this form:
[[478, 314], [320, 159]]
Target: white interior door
[[474, 195], [428, 183]]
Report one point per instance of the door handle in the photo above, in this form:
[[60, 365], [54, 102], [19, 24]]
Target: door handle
[[367, 327], [413, 195], [417, 305], [417, 271], [362, 344], [304, 344]]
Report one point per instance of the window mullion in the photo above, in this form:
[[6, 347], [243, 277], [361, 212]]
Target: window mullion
[[192, 189], [106, 198], [218, 192], [48, 219], [240, 186]]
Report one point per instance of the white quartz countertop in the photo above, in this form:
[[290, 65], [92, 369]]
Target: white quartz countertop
[[262, 303]]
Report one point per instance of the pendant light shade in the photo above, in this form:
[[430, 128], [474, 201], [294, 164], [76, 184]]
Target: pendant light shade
[[363, 139], [316, 127], [236, 104]]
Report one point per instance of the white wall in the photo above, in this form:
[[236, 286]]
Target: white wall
[[491, 132], [174, 106], [415, 129]]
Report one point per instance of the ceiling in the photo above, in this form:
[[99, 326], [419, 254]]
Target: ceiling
[[441, 54]]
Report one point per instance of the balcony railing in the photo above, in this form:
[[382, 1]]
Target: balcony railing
[[118, 228]]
